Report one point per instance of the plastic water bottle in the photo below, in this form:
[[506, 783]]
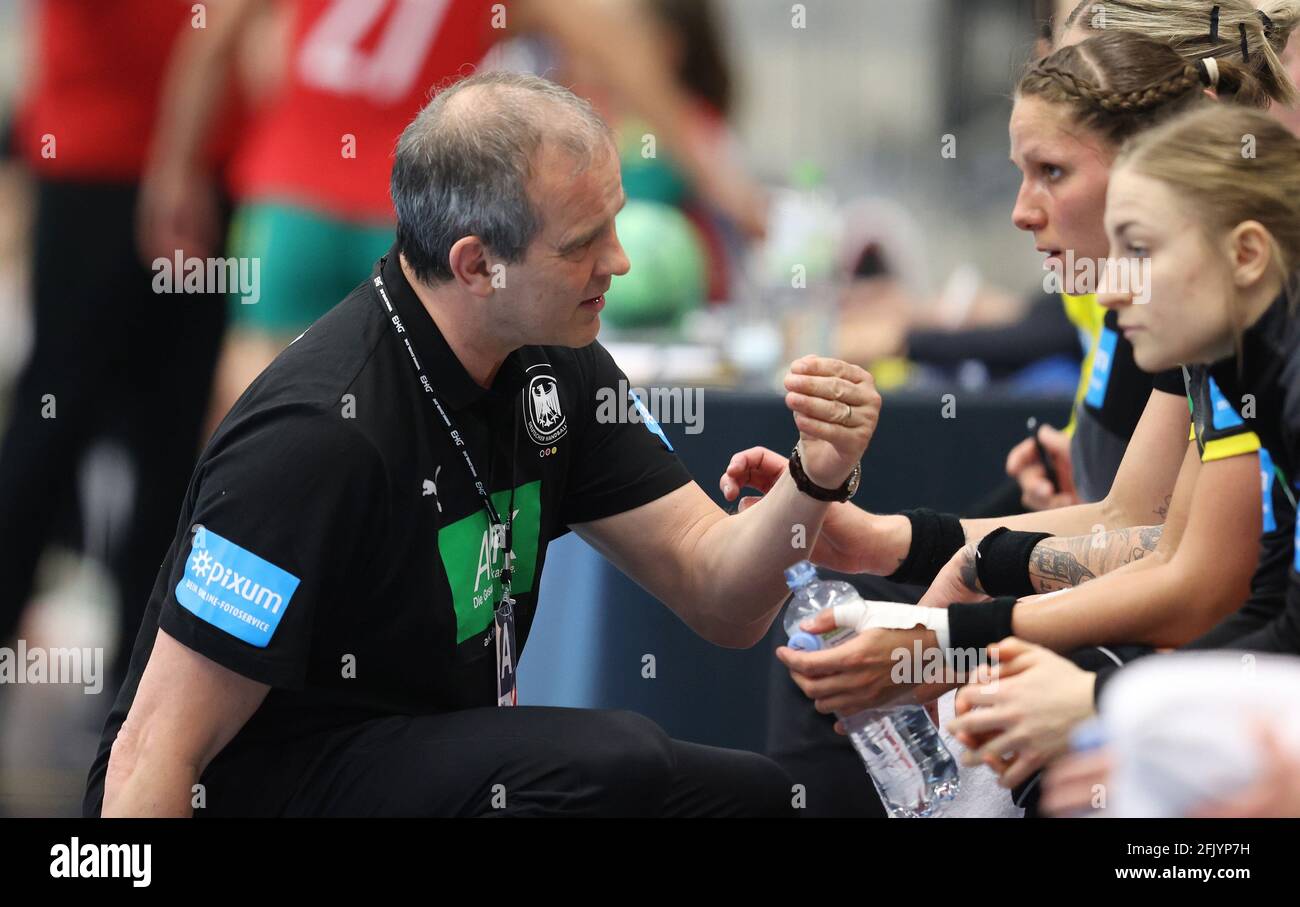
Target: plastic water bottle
[[907, 760]]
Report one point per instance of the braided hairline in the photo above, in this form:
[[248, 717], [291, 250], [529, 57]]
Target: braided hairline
[[1079, 88]]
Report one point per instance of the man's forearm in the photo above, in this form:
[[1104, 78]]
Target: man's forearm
[[148, 787], [1061, 563], [742, 557]]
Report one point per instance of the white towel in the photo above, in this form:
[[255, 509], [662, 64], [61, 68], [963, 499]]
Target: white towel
[[980, 796]]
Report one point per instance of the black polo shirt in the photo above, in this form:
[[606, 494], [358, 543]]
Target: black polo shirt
[[332, 544]]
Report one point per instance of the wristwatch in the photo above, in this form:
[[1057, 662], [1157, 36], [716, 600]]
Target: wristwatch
[[813, 490]]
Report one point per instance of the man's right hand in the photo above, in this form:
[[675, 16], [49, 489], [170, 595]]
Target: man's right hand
[[759, 468], [1024, 465]]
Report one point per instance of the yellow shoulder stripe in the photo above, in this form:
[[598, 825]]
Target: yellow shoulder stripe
[[1234, 446]]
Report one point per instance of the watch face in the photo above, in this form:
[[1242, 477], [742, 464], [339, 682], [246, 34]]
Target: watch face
[[855, 478]]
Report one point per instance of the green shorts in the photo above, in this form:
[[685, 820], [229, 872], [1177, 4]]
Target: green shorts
[[307, 263]]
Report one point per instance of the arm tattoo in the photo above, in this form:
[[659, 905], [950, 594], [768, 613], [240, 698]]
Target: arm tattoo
[[1050, 569], [1061, 563], [970, 577]]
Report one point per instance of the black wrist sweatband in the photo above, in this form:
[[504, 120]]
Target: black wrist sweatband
[[979, 625], [936, 537], [1003, 562]]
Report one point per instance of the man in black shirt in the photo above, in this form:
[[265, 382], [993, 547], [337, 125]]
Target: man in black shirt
[[356, 563]]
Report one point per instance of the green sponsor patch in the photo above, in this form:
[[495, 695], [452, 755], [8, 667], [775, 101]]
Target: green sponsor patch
[[474, 567]]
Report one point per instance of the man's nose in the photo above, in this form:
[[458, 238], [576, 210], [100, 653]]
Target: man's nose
[[614, 259]]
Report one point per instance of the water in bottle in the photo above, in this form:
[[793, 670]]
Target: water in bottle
[[907, 760]]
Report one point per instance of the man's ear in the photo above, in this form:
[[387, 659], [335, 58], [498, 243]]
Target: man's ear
[[1251, 249], [471, 265]]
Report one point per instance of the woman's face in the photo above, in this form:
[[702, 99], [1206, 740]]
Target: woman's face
[[1176, 310], [1064, 174]]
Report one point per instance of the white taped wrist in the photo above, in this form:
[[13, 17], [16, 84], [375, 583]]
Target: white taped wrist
[[893, 616]]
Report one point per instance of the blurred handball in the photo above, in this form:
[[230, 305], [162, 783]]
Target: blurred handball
[[667, 278]]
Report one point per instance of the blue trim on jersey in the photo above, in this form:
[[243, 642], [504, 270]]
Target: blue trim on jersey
[[1223, 415], [1103, 359], [649, 420], [1266, 488]]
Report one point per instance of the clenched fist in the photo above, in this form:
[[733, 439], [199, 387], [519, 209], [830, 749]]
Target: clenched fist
[[836, 408]]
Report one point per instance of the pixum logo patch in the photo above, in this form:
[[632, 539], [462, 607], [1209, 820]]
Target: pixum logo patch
[[240, 277], [233, 589]]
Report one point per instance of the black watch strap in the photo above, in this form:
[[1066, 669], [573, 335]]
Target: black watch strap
[[817, 492]]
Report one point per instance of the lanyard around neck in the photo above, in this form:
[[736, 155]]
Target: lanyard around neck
[[502, 530]]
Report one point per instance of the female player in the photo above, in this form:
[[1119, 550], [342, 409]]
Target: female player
[[1222, 231], [1074, 182]]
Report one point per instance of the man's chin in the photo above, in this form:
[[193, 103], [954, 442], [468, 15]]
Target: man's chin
[[580, 335]]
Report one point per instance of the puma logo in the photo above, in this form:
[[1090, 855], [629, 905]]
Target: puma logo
[[431, 488]]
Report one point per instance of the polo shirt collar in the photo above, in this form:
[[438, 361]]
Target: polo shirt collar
[[450, 380]]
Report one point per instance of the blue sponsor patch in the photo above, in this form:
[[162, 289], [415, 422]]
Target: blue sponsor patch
[[1224, 416], [233, 589], [649, 420], [1266, 487], [1103, 358]]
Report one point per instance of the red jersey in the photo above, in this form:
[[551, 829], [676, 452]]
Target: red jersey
[[92, 95], [357, 72]]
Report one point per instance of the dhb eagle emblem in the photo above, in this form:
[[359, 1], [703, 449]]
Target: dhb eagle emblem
[[546, 404], [543, 416]]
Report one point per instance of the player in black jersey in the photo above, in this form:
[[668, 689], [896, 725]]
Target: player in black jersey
[[1222, 231], [1059, 101]]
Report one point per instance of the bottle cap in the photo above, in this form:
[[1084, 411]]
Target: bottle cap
[[800, 574], [806, 642]]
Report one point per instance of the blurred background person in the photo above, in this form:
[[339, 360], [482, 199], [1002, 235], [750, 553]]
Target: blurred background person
[[311, 178], [114, 367]]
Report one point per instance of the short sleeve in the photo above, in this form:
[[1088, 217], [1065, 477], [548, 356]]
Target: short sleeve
[[1220, 430], [1170, 382], [283, 511], [623, 458]]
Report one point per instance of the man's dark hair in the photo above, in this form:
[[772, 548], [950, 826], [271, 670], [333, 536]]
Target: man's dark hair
[[463, 165]]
